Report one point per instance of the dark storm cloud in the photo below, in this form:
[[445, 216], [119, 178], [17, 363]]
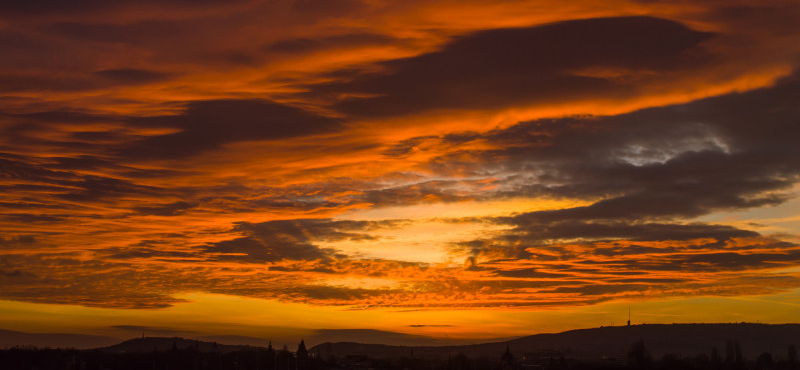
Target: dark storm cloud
[[291, 239], [62, 278], [324, 292], [308, 45], [506, 67], [770, 255], [10, 83], [332, 7], [732, 261], [345, 192], [135, 34], [535, 236], [647, 173], [198, 38], [15, 274], [132, 75], [82, 162], [207, 125], [702, 262], [428, 192], [593, 229], [22, 82], [94, 163], [731, 152], [33, 218], [17, 241], [599, 290], [170, 209], [148, 250], [305, 230], [44, 7], [92, 188], [249, 249], [529, 273], [57, 116], [46, 176]]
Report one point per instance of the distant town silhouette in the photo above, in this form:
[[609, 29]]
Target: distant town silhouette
[[740, 346]]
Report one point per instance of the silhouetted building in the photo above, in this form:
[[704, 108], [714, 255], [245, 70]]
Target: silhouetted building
[[302, 356], [271, 359], [733, 355], [507, 360], [541, 359], [791, 357], [765, 361], [459, 362]]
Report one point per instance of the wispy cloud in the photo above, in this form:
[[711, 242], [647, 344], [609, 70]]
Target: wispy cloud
[[150, 150]]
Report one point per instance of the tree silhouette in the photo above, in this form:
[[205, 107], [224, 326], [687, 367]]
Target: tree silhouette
[[716, 359], [791, 357], [270, 358], [283, 359], [460, 362], [670, 361], [638, 356], [507, 360], [302, 356], [764, 361], [733, 355]]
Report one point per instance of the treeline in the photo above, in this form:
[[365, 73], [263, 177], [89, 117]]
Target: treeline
[[732, 359], [638, 358], [174, 359]]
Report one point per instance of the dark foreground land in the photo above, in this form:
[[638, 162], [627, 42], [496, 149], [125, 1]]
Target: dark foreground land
[[638, 347]]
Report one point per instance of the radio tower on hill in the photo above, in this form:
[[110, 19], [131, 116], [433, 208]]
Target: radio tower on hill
[[629, 315]]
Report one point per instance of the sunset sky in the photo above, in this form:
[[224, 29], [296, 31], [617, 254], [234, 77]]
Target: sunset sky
[[459, 169]]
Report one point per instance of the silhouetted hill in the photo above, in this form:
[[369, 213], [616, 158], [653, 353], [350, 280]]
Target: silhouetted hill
[[596, 343], [370, 336], [150, 344], [367, 336], [10, 338], [228, 343]]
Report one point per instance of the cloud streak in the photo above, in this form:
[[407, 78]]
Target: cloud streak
[[414, 156]]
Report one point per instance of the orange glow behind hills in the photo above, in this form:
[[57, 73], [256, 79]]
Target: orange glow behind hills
[[477, 169]]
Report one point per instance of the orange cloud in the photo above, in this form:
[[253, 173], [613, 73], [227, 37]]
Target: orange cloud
[[405, 156]]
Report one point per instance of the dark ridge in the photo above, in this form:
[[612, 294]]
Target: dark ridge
[[599, 343], [154, 344]]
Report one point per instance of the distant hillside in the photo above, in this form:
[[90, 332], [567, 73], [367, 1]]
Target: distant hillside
[[367, 336], [10, 338], [370, 336], [236, 343], [659, 339], [149, 344]]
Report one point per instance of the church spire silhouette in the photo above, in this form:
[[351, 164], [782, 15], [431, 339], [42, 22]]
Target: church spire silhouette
[[271, 356], [507, 360], [302, 356]]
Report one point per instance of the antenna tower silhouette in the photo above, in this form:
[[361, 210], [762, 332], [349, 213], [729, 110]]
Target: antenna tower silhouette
[[629, 315]]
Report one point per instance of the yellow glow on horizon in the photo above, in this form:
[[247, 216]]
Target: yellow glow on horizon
[[214, 314], [289, 168]]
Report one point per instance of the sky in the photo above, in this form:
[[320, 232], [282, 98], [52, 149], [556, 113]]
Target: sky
[[458, 169]]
